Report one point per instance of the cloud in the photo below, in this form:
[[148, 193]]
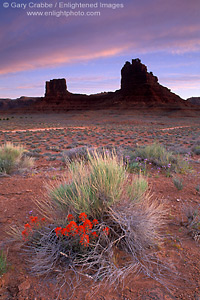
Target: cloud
[[57, 59], [29, 43], [177, 82]]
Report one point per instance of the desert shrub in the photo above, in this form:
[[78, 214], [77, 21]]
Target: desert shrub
[[193, 221], [197, 188], [96, 185], [135, 166], [3, 263], [13, 158], [196, 150], [156, 155], [120, 217], [178, 183], [76, 153]]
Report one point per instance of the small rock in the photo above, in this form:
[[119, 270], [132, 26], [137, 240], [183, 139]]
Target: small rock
[[4, 175], [24, 285]]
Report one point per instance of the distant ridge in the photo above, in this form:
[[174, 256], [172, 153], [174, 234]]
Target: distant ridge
[[194, 100], [139, 89]]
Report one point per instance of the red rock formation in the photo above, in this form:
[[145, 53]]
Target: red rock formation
[[139, 89], [194, 100], [139, 86], [134, 75], [56, 88]]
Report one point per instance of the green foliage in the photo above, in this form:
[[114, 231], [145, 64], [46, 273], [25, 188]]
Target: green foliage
[[135, 167], [103, 189], [138, 188], [197, 188], [3, 263], [178, 183], [156, 155], [96, 185], [193, 223], [196, 150], [11, 158]]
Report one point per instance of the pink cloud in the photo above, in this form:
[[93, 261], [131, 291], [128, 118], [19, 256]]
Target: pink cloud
[[59, 58]]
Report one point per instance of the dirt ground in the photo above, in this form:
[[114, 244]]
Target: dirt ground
[[46, 136]]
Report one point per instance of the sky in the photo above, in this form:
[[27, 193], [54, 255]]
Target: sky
[[89, 50]]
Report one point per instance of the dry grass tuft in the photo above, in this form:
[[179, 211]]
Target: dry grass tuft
[[12, 158], [104, 190]]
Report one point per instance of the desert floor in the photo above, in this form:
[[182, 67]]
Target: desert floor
[[46, 136]]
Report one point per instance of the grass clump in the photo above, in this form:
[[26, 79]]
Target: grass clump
[[197, 188], [196, 150], [156, 155], [3, 263], [12, 158], [96, 185], [178, 183], [122, 224], [193, 221]]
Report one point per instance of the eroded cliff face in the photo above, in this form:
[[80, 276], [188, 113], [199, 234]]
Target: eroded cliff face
[[139, 85], [139, 88], [135, 74], [194, 100], [56, 88]]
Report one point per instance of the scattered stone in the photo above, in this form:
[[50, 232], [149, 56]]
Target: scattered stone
[[32, 154], [157, 294], [24, 285], [4, 175]]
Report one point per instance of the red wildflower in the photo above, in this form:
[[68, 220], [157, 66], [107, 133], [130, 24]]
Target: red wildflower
[[95, 222], [43, 219], [64, 231], [33, 219], [84, 240], [70, 217], [83, 216], [27, 226], [87, 225], [106, 230], [72, 228], [81, 229], [25, 234], [58, 230], [94, 234]]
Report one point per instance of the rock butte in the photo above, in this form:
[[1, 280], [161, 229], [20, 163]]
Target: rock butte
[[139, 89]]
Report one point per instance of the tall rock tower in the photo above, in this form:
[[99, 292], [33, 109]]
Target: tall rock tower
[[135, 74], [138, 85]]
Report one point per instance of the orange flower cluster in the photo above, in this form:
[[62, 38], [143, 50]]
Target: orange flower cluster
[[85, 229], [28, 227]]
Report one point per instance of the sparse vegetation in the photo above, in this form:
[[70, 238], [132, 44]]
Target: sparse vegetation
[[178, 183], [3, 263], [12, 158], [193, 221], [100, 182], [103, 190], [156, 155], [130, 218], [196, 150], [197, 188]]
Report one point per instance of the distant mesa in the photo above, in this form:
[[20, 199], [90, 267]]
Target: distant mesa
[[194, 100], [56, 88], [139, 88]]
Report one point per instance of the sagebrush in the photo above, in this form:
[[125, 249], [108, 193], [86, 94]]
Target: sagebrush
[[120, 203], [12, 158]]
